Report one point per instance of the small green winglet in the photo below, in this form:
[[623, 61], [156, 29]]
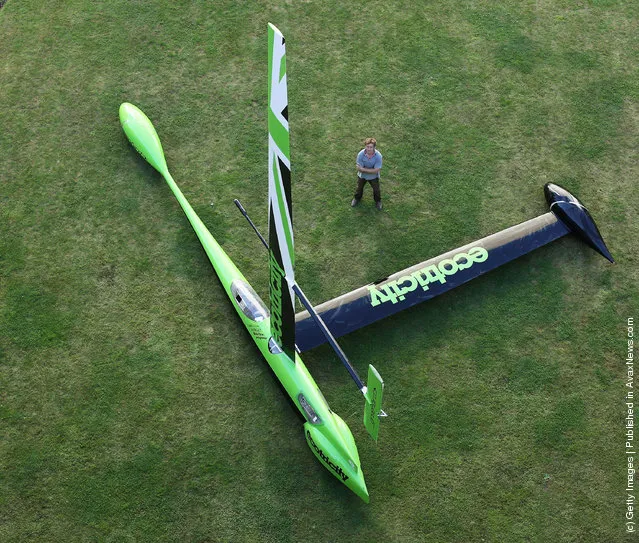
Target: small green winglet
[[373, 409]]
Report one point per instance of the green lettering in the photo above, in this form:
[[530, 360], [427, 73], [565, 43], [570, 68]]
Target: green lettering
[[276, 276], [397, 290]]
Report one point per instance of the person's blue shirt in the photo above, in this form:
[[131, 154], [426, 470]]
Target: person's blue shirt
[[369, 162]]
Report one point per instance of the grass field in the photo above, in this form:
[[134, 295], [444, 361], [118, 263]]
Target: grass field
[[133, 404]]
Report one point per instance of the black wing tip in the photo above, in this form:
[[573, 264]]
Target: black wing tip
[[569, 210]]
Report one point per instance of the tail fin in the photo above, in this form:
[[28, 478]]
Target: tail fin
[[373, 408], [281, 249]]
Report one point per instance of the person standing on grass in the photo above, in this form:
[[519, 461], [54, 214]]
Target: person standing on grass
[[369, 163]]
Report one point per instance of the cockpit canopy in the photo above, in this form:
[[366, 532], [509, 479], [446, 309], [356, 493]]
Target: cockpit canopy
[[248, 301]]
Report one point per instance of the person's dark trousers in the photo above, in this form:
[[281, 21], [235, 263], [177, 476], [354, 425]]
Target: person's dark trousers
[[377, 195]]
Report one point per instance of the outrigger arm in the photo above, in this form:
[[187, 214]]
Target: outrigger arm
[[438, 275]]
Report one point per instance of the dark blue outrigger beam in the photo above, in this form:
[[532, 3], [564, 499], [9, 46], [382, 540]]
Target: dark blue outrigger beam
[[433, 277]]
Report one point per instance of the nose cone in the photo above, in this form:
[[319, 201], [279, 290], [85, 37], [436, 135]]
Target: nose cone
[[333, 445], [142, 135], [569, 210]]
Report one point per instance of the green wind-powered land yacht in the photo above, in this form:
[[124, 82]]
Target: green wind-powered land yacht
[[281, 335]]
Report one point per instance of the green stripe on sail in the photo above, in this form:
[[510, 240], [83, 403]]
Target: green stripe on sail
[[283, 67], [271, 44], [283, 211], [279, 133]]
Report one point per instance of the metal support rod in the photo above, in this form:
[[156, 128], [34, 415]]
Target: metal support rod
[[243, 211], [329, 337]]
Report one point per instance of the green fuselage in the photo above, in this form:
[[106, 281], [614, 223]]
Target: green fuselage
[[326, 433]]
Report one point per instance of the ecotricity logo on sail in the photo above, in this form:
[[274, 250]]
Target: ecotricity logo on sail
[[277, 280], [396, 291]]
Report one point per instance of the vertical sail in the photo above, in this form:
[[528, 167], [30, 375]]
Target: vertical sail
[[280, 227]]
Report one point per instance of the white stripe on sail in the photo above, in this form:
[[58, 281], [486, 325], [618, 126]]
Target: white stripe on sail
[[279, 98]]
